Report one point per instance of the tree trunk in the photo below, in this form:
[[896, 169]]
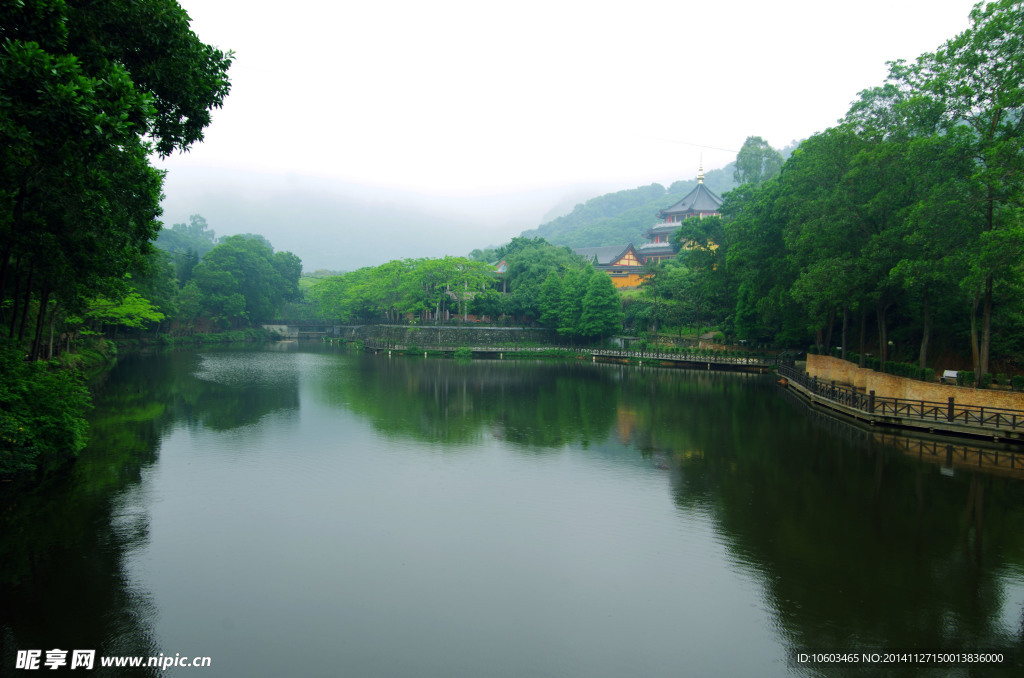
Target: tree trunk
[[17, 294], [863, 334], [922, 357], [28, 298], [37, 341], [828, 331], [846, 319], [53, 318], [883, 337], [986, 331], [5, 258], [975, 354]]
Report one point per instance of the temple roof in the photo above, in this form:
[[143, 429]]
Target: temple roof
[[605, 256], [700, 199]]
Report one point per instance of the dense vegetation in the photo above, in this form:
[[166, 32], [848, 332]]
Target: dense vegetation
[[905, 220], [540, 283], [622, 217], [90, 91]]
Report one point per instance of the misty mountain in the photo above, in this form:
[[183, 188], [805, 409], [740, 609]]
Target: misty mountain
[[333, 225], [623, 217]]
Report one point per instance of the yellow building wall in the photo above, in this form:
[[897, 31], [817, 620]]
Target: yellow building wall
[[628, 280]]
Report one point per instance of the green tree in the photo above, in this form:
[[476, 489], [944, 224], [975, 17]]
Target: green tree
[[550, 299], [242, 281], [977, 81], [602, 308], [756, 162], [90, 90]]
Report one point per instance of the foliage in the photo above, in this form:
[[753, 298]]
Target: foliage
[[623, 216], [42, 408], [422, 288], [902, 226], [242, 281], [89, 92], [756, 162]]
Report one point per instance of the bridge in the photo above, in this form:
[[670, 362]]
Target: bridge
[[302, 329], [691, 359]]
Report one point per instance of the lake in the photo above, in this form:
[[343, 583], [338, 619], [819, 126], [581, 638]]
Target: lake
[[300, 509]]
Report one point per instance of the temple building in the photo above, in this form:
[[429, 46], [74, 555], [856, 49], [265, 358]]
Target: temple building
[[625, 264], [700, 202], [621, 263]]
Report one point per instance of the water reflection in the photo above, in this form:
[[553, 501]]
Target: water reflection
[[537, 405], [849, 539], [63, 547], [859, 542]]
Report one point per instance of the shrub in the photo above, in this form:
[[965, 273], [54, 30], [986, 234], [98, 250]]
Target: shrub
[[986, 380], [464, 353], [1002, 379], [1017, 382], [965, 378], [927, 374], [42, 408]]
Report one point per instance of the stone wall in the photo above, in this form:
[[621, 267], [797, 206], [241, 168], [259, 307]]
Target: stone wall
[[426, 336], [827, 369]]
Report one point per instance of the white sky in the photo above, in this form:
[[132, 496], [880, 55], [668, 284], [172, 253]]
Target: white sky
[[457, 97]]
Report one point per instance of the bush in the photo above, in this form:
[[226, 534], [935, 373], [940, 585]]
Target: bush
[[986, 380], [42, 413], [927, 374], [464, 353], [1002, 379], [1017, 382], [964, 378]]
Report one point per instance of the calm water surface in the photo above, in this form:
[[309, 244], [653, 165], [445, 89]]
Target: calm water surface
[[301, 510]]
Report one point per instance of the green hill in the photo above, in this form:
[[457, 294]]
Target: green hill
[[622, 217]]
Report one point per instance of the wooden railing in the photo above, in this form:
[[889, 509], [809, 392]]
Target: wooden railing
[[901, 408], [687, 357]]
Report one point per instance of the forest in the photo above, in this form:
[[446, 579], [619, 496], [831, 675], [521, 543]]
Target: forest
[[90, 93], [899, 231], [537, 283], [894, 236]]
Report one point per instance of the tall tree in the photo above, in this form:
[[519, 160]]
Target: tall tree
[[756, 162], [601, 314], [977, 80], [90, 91]]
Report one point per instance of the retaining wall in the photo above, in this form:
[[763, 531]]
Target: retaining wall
[[447, 335], [827, 368]]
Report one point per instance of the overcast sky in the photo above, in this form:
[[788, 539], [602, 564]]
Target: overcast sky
[[458, 98]]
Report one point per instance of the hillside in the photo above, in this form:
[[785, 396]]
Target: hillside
[[622, 217]]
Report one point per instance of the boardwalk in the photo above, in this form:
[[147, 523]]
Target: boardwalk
[[933, 417], [707, 360], [948, 418]]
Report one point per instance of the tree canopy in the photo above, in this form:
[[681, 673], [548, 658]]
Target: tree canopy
[[89, 91]]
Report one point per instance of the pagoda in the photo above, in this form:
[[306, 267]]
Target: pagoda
[[700, 202]]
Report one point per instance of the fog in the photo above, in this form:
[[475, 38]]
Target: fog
[[342, 226]]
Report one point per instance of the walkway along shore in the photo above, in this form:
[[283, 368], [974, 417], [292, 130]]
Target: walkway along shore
[[691, 360], [948, 418]]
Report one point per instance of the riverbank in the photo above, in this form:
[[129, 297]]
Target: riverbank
[[950, 418], [689, 358]]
